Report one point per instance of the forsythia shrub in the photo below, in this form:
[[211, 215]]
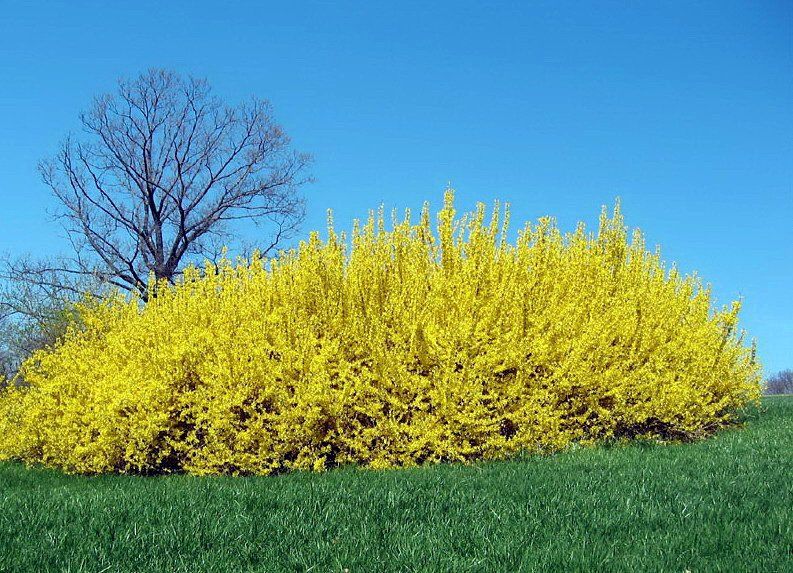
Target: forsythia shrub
[[395, 348]]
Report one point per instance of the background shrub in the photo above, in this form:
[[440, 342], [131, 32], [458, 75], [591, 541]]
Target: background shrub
[[780, 383], [391, 348]]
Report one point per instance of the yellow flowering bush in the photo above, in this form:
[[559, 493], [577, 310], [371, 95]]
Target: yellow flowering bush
[[391, 347]]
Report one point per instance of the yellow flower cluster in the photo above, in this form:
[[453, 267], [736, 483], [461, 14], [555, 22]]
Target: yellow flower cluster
[[422, 343]]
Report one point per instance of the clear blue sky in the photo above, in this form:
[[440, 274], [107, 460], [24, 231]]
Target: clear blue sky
[[683, 109]]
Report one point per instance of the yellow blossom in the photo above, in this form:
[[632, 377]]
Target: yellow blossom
[[387, 348]]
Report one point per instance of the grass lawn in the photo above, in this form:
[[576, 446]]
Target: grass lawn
[[725, 504]]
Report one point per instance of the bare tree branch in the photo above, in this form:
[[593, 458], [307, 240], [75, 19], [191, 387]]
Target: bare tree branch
[[163, 171]]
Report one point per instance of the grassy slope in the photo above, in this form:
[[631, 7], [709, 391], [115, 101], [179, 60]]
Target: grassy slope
[[719, 505]]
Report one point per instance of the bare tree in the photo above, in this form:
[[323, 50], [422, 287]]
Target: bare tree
[[163, 170], [780, 383], [36, 306]]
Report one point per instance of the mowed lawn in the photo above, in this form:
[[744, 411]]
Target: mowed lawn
[[725, 504]]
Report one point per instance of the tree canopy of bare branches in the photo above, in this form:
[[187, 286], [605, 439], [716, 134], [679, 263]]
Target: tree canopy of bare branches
[[36, 306], [163, 170], [780, 383]]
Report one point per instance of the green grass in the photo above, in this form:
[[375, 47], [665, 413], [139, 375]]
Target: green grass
[[719, 505]]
